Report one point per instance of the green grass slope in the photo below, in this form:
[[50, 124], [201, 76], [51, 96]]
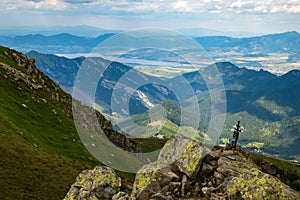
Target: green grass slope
[[41, 153]]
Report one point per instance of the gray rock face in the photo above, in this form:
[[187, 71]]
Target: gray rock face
[[120, 196], [99, 183], [153, 178], [184, 153], [169, 177], [186, 170], [255, 184]]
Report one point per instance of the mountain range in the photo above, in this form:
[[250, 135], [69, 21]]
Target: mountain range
[[41, 152], [267, 104], [80, 30], [282, 42], [277, 53], [64, 71], [92, 31], [60, 43]]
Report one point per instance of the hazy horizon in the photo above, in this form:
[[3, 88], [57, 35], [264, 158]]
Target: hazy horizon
[[254, 17], [94, 31]]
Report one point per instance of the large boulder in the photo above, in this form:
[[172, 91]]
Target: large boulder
[[151, 179], [257, 185], [99, 183], [179, 161], [185, 153]]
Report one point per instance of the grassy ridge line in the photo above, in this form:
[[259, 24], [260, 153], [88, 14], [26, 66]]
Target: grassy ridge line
[[40, 148], [44, 121], [41, 153]]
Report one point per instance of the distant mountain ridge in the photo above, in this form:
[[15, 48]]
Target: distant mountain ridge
[[64, 70], [92, 31], [281, 42], [80, 30], [244, 87], [248, 83], [264, 102], [62, 39]]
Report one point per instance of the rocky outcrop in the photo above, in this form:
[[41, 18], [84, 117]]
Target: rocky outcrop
[[94, 121], [22, 72], [187, 170], [115, 137], [183, 153], [254, 184], [155, 178], [99, 183], [178, 162]]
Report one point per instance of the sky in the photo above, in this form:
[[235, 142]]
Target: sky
[[255, 16]]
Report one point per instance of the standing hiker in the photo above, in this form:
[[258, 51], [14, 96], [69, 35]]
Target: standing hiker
[[236, 132]]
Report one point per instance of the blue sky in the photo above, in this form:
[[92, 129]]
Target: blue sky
[[264, 16]]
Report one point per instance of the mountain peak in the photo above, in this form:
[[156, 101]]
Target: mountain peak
[[292, 33], [293, 74], [225, 66], [65, 35]]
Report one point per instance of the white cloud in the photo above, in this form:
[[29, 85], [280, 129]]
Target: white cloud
[[237, 4], [181, 6], [213, 14], [112, 7], [261, 9], [49, 5], [294, 9], [266, 6], [33, 5]]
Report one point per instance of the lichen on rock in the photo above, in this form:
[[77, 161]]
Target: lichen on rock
[[187, 170], [99, 183], [151, 179], [256, 185], [185, 153], [179, 155]]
